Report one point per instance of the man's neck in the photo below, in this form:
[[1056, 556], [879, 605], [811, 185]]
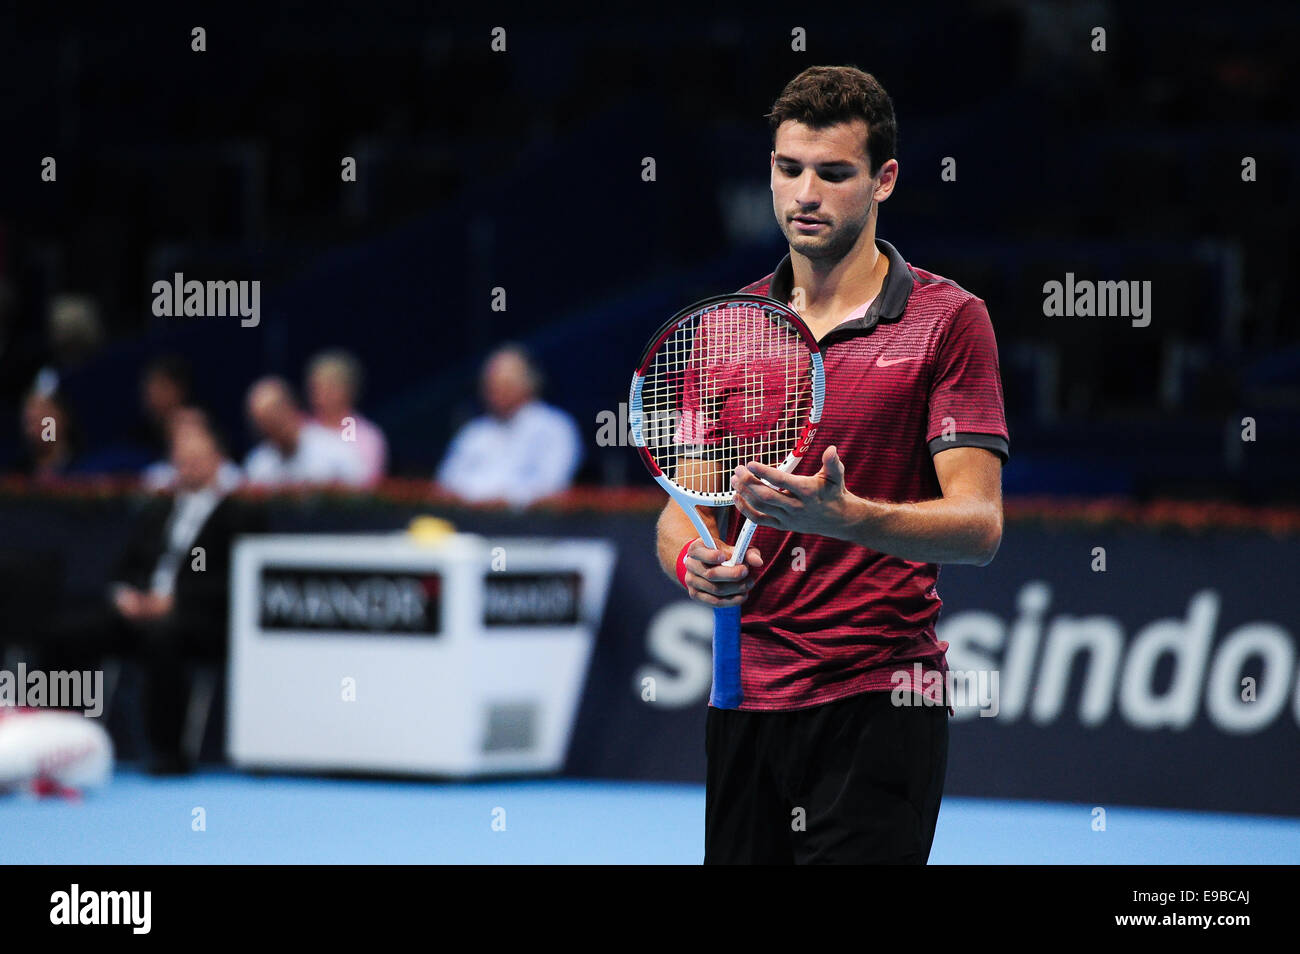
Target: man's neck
[[511, 414], [290, 447], [831, 291], [333, 419]]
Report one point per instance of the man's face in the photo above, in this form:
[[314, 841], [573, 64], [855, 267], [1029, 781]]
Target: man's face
[[822, 187], [327, 391], [274, 417], [195, 457], [506, 384]]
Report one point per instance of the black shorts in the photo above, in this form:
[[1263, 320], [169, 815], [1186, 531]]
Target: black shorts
[[855, 781]]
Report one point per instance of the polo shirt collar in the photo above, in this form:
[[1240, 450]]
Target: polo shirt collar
[[888, 304]]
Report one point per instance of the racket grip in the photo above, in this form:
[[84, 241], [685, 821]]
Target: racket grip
[[726, 693], [742, 542]]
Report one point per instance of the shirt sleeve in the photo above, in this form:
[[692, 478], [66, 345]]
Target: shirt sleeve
[[966, 406], [375, 453], [452, 471], [259, 468]]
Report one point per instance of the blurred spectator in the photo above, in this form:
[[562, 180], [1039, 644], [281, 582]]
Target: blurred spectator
[[521, 450], [170, 603], [295, 450], [164, 389], [333, 384], [49, 442], [75, 332], [163, 475]]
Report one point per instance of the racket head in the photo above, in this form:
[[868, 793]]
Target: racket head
[[726, 380]]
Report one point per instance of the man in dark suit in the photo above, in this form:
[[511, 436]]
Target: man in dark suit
[[169, 604]]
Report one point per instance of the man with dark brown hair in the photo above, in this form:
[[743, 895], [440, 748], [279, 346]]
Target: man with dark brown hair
[[838, 752]]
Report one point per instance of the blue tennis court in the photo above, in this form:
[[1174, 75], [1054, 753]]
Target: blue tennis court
[[138, 819]]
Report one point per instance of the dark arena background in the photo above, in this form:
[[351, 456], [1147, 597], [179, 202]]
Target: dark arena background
[[221, 227]]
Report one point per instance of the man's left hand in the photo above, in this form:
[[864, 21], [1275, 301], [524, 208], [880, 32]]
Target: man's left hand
[[818, 504]]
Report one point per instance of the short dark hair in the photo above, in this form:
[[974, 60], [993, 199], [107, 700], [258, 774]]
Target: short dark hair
[[824, 96]]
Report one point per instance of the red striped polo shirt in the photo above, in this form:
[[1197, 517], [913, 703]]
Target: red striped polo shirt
[[915, 375]]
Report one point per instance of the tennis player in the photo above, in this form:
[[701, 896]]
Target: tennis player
[[837, 754]]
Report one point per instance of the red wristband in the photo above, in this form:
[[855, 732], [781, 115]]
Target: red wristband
[[681, 561]]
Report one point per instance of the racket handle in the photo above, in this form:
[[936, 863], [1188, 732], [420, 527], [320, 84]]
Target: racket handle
[[726, 693], [742, 543]]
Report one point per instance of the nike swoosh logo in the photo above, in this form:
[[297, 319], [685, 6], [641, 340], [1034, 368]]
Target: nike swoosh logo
[[882, 363]]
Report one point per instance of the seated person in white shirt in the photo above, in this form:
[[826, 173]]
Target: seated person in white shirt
[[521, 450], [333, 381], [295, 449]]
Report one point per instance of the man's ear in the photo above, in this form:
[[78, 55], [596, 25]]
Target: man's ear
[[888, 177]]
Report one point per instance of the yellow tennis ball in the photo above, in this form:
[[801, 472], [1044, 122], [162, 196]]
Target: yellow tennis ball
[[426, 529]]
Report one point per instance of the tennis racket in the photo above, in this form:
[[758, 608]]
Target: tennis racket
[[728, 380]]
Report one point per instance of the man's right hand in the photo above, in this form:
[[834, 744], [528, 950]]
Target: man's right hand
[[709, 582]]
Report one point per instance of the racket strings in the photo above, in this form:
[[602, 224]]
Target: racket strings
[[731, 384]]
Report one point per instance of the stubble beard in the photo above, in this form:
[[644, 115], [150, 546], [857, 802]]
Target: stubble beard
[[829, 248]]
